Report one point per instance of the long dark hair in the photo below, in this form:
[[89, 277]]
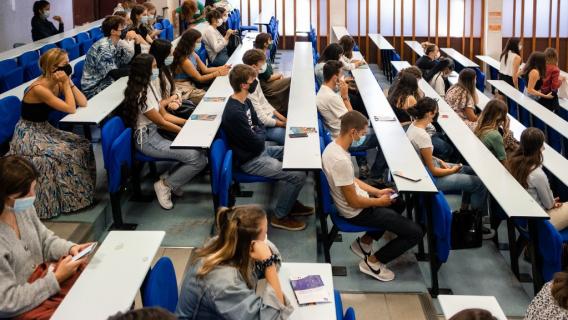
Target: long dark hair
[[38, 7], [135, 92], [492, 117], [528, 155], [184, 48], [16, 177], [347, 43], [331, 52], [407, 85], [136, 11], [559, 289], [513, 46], [422, 108], [536, 61], [161, 49]]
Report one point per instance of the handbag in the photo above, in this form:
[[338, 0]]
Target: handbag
[[467, 230], [184, 111], [563, 90]]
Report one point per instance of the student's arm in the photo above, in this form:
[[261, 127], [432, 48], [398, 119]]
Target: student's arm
[[171, 118], [241, 130], [426, 154], [372, 190], [80, 98], [470, 114], [279, 116], [409, 102], [68, 105], [210, 39], [344, 93], [218, 71], [543, 190], [516, 68], [357, 202], [533, 78], [275, 76], [157, 118], [555, 79], [189, 69]]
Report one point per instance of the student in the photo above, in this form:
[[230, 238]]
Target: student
[[139, 18], [108, 59], [428, 60], [365, 205], [332, 52], [161, 51], [462, 97], [347, 43], [151, 8], [148, 313], [26, 243], [190, 13], [403, 95], [189, 70], [413, 71], [124, 6], [552, 81], [440, 74], [533, 72], [525, 165], [215, 43], [491, 128], [275, 86], [510, 62], [223, 275], [41, 27], [144, 110], [551, 302], [448, 176], [234, 40], [274, 122], [64, 159], [246, 137]]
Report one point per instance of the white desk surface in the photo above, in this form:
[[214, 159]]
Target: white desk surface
[[460, 58], [36, 45], [399, 65], [200, 133], [113, 277], [512, 197], [415, 46], [380, 41], [19, 90], [398, 150], [311, 312], [264, 17], [548, 117], [452, 304], [302, 153], [492, 62]]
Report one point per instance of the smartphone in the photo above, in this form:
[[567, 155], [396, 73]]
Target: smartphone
[[85, 252], [401, 175], [298, 135], [394, 196]]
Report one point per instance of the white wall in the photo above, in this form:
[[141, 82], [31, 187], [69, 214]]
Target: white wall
[[16, 17]]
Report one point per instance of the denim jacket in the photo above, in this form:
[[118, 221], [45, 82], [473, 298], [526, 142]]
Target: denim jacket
[[224, 294]]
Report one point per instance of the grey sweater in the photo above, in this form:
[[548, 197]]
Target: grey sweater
[[539, 188], [20, 257]]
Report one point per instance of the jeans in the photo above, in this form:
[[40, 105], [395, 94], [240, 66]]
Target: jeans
[[465, 180], [269, 164], [390, 219], [380, 165], [442, 148], [191, 162], [276, 134], [220, 59]]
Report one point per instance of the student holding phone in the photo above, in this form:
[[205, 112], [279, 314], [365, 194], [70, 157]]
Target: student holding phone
[[25, 244]]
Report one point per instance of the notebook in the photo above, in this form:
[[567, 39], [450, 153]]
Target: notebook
[[309, 289], [206, 117]]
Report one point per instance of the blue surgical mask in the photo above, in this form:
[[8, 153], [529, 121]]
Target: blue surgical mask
[[46, 14], [263, 68], [358, 143], [23, 204], [169, 60], [197, 46], [155, 74], [144, 19]]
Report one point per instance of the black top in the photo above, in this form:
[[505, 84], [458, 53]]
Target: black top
[[425, 64], [223, 29], [43, 28], [537, 85], [245, 133], [36, 112]]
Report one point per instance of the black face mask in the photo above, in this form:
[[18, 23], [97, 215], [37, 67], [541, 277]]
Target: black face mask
[[123, 34], [252, 86], [66, 68]]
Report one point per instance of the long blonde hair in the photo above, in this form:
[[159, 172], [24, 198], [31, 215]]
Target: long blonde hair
[[493, 116], [50, 59], [238, 227]]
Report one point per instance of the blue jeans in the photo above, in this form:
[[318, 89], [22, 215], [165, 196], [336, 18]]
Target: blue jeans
[[442, 148], [269, 164], [276, 134], [465, 181], [380, 165], [220, 59], [191, 162]]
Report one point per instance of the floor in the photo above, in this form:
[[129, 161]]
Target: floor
[[483, 271]]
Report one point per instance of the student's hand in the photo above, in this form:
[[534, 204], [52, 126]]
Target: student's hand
[[78, 248], [548, 96], [443, 164], [58, 19], [223, 71], [230, 31], [66, 268], [259, 250], [173, 105], [381, 192], [557, 203], [130, 35], [456, 168], [280, 124], [61, 77], [343, 89], [384, 200], [279, 76], [561, 78]]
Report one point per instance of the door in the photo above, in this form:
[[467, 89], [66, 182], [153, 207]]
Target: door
[[84, 11]]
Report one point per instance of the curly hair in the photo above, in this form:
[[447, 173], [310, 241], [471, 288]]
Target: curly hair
[[161, 49], [135, 92], [184, 48]]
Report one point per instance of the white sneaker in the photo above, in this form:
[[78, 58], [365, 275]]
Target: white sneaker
[[164, 194], [176, 192], [361, 249], [376, 270]]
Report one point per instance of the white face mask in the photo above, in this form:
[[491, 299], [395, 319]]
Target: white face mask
[[219, 22], [46, 14], [155, 74], [263, 68], [169, 60], [23, 204]]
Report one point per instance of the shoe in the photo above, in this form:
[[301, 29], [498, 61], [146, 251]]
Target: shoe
[[376, 270], [287, 223], [487, 233], [164, 194], [301, 210], [363, 172], [361, 249]]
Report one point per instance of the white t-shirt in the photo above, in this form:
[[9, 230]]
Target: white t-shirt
[[339, 172], [153, 97], [331, 107], [437, 82], [419, 138]]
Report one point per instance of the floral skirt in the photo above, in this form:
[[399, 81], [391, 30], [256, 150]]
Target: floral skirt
[[66, 166]]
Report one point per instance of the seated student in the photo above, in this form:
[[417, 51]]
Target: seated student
[[190, 13], [139, 19], [147, 313], [462, 97], [153, 33], [189, 70], [332, 52], [448, 176], [124, 6], [551, 302], [221, 280], [274, 122], [107, 58], [275, 86], [64, 159], [525, 165], [413, 71], [428, 60], [533, 72], [493, 128], [364, 205], [41, 27], [552, 80], [333, 106], [403, 95], [440, 74], [234, 40], [161, 51], [144, 110], [510, 62], [246, 137], [347, 43], [26, 243], [215, 43]]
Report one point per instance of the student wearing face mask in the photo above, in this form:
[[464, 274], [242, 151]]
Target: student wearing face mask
[[151, 8], [428, 60], [234, 39], [41, 27], [440, 74], [215, 43], [139, 18], [25, 244], [64, 159]]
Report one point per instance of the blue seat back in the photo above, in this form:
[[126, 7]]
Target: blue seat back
[[166, 23], [46, 48], [225, 179], [494, 73], [11, 78], [202, 53], [72, 48], [83, 36], [480, 81], [338, 305], [10, 109], [550, 248], [28, 57], [78, 73], [31, 71], [442, 219], [116, 143], [96, 33], [160, 286], [217, 155], [84, 46]]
